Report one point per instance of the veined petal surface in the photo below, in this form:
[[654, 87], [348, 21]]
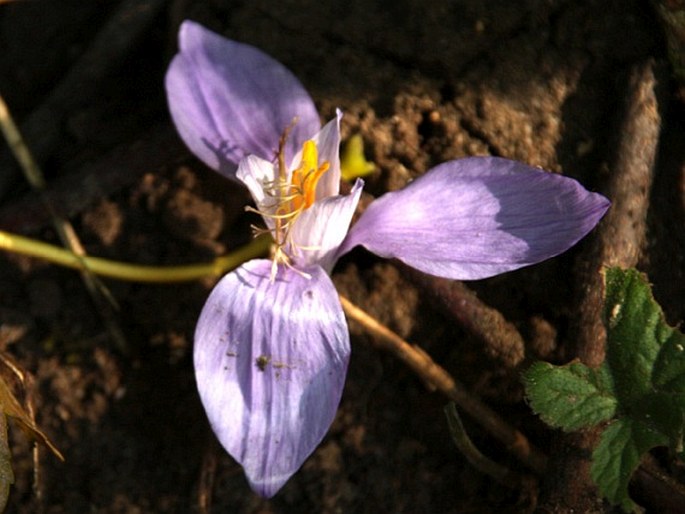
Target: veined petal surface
[[320, 229], [229, 99], [254, 172], [478, 217], [328, 143], [270, 363]]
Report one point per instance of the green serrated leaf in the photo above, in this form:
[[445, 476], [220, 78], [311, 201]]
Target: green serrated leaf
[[669, 368], [572, 396], [632, 319], [618, 454], [662, 411], [642, 382], [646, 356]]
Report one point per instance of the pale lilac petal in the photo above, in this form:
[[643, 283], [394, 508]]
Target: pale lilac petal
[[270, 363], [328, 143], [478, 217], [229, 99], [321, 228], [254, 172]]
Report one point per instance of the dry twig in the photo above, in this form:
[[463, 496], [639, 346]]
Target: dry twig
[[618, 241], [501, 339], [437, 378]]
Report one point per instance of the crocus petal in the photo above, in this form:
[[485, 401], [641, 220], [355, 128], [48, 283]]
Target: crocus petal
[[254, 172], [328, 143], [270, 363], [478, 217], [321, 228], [229, 99]]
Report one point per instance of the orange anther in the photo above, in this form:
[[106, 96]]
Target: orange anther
[[306, 177]]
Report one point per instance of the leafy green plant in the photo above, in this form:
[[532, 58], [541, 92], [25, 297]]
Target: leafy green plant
[[639, 390]]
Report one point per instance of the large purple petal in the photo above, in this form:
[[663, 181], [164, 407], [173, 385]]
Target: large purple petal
[[229, 100], [478, 217], [270, 363]]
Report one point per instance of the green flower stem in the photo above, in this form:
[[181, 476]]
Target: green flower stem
[[134, 272]]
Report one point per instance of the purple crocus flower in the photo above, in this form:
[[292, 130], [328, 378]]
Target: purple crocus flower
[[272, 345]]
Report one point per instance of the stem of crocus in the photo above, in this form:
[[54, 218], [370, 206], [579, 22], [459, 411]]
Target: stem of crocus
[[436, 377], [135, 272]]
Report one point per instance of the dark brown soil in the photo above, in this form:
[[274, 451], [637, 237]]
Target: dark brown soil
[[423, 81]]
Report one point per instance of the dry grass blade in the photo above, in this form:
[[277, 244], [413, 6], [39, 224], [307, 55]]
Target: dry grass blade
[[25, 416], [10, 406], [101, 296]]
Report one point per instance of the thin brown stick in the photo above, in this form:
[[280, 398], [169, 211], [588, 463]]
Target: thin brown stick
[[671, 14], [618, 241], [439, 379], [501, 339], [205, 488], [662, 492], [621, 236]]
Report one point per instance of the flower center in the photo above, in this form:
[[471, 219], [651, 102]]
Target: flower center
[[285, 199], [306, 177]]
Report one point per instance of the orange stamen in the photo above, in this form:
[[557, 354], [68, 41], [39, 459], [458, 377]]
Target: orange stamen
[[290, 199], [306, 177]]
